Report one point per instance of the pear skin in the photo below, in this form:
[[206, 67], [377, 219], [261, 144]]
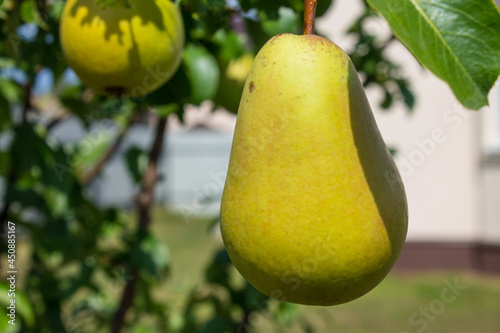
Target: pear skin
[[313, 210]]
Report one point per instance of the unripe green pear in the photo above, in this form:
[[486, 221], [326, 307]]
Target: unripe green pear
[[313, 210], [233, 76]]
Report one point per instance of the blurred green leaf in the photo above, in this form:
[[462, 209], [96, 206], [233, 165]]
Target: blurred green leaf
[[322, 6], [218, 325], [254, 299], [286, 313], [56, 201], [28, 10], [151, 256], [166, 109], [10, 93], [217, 271], [136, 160], [368, 56], [288, 21], [270, 8], [408, 96], [10, 90], [232, 44], [92, 148], [30, 14], [459, 41], [4, 162], [176, 90]]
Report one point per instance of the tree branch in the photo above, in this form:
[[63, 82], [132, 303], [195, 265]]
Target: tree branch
[[56, 121], [144, 204], [96, 169]]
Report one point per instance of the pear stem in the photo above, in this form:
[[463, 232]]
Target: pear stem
[[309, 16]]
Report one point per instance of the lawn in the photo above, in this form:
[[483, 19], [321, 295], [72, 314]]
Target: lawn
[[404, 302]]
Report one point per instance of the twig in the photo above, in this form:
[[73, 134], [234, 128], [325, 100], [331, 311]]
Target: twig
[[309, 15], [96, 169], [144, 203], [56, 121]]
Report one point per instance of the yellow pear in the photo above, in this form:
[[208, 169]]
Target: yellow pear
[[313, 209], [120, 50]]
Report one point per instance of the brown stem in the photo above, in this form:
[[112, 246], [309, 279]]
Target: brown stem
[[309, 16], [96, 169], [144, 203]]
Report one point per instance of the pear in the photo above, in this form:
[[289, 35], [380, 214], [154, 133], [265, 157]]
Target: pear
[[232, 80], [122, 49], [313, 209]]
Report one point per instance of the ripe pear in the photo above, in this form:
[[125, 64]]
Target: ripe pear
[[313, 209], [120, 50]]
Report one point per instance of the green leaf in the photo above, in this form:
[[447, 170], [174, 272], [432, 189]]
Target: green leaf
[[91, 148], [215, 5], [232, 44], [10, 90], [166, 109], [10, 93], [30, 14], [5, 120], [56, 201], [218, 324], [137, 161], [322, 7], [176, 90], [286, 313], [202, 71], [27, 11], [287, 22], [151, 256], [269, 7], [4, 162], [458, 40]]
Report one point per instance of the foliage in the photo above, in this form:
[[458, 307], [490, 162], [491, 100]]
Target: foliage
[[443, 36], [84, 258]]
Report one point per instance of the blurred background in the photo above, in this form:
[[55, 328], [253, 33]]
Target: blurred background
[[78, 243]]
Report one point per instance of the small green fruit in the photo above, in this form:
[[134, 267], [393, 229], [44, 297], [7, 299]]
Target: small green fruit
[[232, 81]]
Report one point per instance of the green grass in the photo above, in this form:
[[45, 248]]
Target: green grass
[[396, 305]]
